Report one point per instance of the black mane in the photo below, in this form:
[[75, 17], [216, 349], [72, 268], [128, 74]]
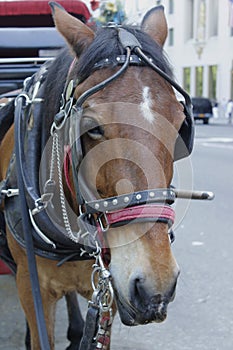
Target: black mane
[[107, 45]]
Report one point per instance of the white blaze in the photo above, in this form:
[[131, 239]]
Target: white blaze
[[146, 105]]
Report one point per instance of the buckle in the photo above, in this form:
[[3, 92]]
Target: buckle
[[103, 222]]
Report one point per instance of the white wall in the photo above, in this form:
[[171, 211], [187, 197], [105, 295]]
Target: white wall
[[217, 51]]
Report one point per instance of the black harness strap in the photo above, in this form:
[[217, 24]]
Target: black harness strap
[[90, 329], [38, 306]]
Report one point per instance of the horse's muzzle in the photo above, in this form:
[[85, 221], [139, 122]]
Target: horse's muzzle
[[143, 308], [153, 312]]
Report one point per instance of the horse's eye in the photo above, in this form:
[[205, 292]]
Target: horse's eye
[[92, 128], [96, 132]]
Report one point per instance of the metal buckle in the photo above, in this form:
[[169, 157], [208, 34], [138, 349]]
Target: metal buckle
[[103, 225]]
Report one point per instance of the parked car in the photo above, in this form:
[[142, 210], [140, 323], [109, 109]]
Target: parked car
[[202, 109], [28, 37]]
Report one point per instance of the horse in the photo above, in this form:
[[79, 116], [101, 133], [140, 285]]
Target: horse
[[86, 170]]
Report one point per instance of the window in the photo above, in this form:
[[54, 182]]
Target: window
[[199, 81], [201, 22], [171, 37], [189, 30], [212, 81], [171, 6], [187, 78], [213, 18]]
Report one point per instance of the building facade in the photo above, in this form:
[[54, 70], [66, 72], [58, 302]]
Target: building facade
[[200, 46]]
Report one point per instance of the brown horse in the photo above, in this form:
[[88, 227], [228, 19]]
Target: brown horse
[[119, 139]]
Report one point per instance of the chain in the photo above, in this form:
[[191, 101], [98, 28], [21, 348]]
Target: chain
[[82, 236], [56, 151]]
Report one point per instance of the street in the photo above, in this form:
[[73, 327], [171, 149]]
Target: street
[[200, 318]]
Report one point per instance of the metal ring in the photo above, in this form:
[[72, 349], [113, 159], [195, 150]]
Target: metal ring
[[23, 95], [95, 270]]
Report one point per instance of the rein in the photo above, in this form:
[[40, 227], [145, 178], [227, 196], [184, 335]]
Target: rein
[[38, 306]]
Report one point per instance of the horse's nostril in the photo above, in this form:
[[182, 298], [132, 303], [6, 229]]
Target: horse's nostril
[[141, 293], [137, 290]]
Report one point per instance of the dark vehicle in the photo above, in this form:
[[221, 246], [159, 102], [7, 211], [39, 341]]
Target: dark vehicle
[[202, 109], [28, 38]]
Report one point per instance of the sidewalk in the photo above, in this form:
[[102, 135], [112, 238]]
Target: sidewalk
[[12, 323]]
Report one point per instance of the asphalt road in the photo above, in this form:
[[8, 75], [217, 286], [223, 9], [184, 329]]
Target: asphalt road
[[201, 317]]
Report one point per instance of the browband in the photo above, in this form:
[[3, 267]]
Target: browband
[[119, 60]]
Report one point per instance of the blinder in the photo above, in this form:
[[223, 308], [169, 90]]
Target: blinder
[[185, 138]]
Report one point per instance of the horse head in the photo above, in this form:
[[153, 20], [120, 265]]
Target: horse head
[[128, 127]]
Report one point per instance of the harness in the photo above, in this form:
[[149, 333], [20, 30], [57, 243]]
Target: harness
[[55, 238]]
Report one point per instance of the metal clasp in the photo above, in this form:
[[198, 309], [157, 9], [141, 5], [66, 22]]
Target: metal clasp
[[42, 203], [103, 294]]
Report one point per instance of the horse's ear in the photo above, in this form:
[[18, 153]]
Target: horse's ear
[[77, 34], [154, 23]]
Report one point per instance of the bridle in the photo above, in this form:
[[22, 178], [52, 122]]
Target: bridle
[[150, 205], [98, 215]]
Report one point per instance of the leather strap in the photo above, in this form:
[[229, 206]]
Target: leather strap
[[154, 212], [141, 213], [38, 306]]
